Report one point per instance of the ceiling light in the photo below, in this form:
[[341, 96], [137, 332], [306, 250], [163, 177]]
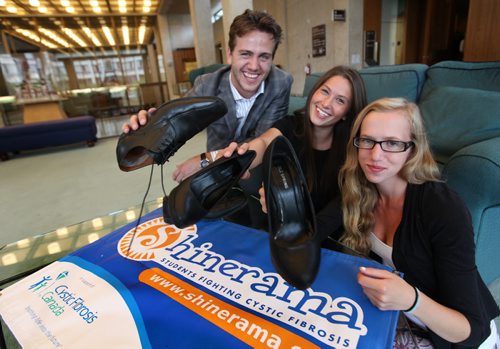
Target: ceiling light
[[92, 37], [48, 43], [70, 9], [2, 2], [130, 215], [126, 39], [142, 32], [109, 36], [62, 232], [9, 258], [51, 34], [65, 3], [92, 237], [53, 248], [146, 9], [94, 3], [42, 9], [74, 37], [23, 243], [96, 9], [35, 37], [97, 222], [11, 9], [122, 9], [34, 3], [147, 3]]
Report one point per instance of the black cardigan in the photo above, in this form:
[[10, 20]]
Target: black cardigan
[[434, 248]]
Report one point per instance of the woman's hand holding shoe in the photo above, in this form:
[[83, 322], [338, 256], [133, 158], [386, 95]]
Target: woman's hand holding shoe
[[240, 149], [262, 199]]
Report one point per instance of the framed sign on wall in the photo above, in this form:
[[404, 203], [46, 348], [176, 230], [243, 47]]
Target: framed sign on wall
[[319, 41]]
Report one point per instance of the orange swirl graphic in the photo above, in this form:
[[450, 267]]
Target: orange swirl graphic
[[150, 236]]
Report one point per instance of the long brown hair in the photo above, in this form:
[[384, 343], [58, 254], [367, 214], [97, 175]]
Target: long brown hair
[[341, 130]]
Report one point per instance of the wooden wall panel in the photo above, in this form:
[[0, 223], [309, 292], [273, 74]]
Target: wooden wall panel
[[483, 31], [181, 57]]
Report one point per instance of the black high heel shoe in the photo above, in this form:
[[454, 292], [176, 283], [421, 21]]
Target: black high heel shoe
[[171, 125], [291, 218], [198, 194]]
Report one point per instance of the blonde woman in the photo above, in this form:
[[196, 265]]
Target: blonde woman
[[395, 206]]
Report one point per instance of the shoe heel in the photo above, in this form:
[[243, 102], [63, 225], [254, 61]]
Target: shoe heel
[[295, 252], [287, 195]]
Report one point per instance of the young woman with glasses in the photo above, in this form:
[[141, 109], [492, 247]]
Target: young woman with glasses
[[395, 206]]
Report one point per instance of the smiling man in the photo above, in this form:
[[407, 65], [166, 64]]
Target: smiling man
[[255, 90]]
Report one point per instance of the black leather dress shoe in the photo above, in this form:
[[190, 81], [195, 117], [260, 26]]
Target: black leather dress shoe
[[291, 219], [171, 125], [196, 195]]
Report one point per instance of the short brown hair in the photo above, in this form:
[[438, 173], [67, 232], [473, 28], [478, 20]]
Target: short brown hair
[[251, 20]]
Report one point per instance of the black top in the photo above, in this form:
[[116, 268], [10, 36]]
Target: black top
[[434, 248], [292, 127]]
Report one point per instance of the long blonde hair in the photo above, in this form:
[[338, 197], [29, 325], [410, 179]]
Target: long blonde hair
[[359, 196]]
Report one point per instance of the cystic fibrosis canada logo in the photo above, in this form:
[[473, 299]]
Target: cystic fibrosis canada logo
[[141, 244], [47, 281]]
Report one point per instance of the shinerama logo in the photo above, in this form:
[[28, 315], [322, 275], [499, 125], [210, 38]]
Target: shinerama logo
[[141, 244]]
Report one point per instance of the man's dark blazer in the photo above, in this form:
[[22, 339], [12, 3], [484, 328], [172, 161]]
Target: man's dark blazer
[[270, 106]]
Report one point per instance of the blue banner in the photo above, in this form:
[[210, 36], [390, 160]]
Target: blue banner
[[210, 285]]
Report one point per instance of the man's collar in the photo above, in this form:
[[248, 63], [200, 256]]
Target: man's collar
[[237, 96]]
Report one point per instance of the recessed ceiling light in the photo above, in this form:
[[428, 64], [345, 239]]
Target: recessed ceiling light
[[126, 38], [142, 32]]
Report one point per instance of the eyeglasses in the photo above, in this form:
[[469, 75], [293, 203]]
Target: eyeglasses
[[387, 146]]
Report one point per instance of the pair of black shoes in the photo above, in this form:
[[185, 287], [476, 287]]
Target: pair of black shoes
[[295, 251], [211, 193]]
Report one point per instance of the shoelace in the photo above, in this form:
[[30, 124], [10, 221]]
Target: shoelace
[[144, 202]]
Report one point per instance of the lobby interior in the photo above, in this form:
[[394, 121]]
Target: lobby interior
[[114, 79], [110, 58]]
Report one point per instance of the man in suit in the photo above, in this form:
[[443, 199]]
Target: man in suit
[[256, 92]]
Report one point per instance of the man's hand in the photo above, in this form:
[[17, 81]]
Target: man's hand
[[186, 169], [137, 120]]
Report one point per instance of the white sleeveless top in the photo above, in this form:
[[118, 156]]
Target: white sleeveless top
[[382, 250]]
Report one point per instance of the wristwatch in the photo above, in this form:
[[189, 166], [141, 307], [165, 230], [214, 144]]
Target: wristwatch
[[204, 162]]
